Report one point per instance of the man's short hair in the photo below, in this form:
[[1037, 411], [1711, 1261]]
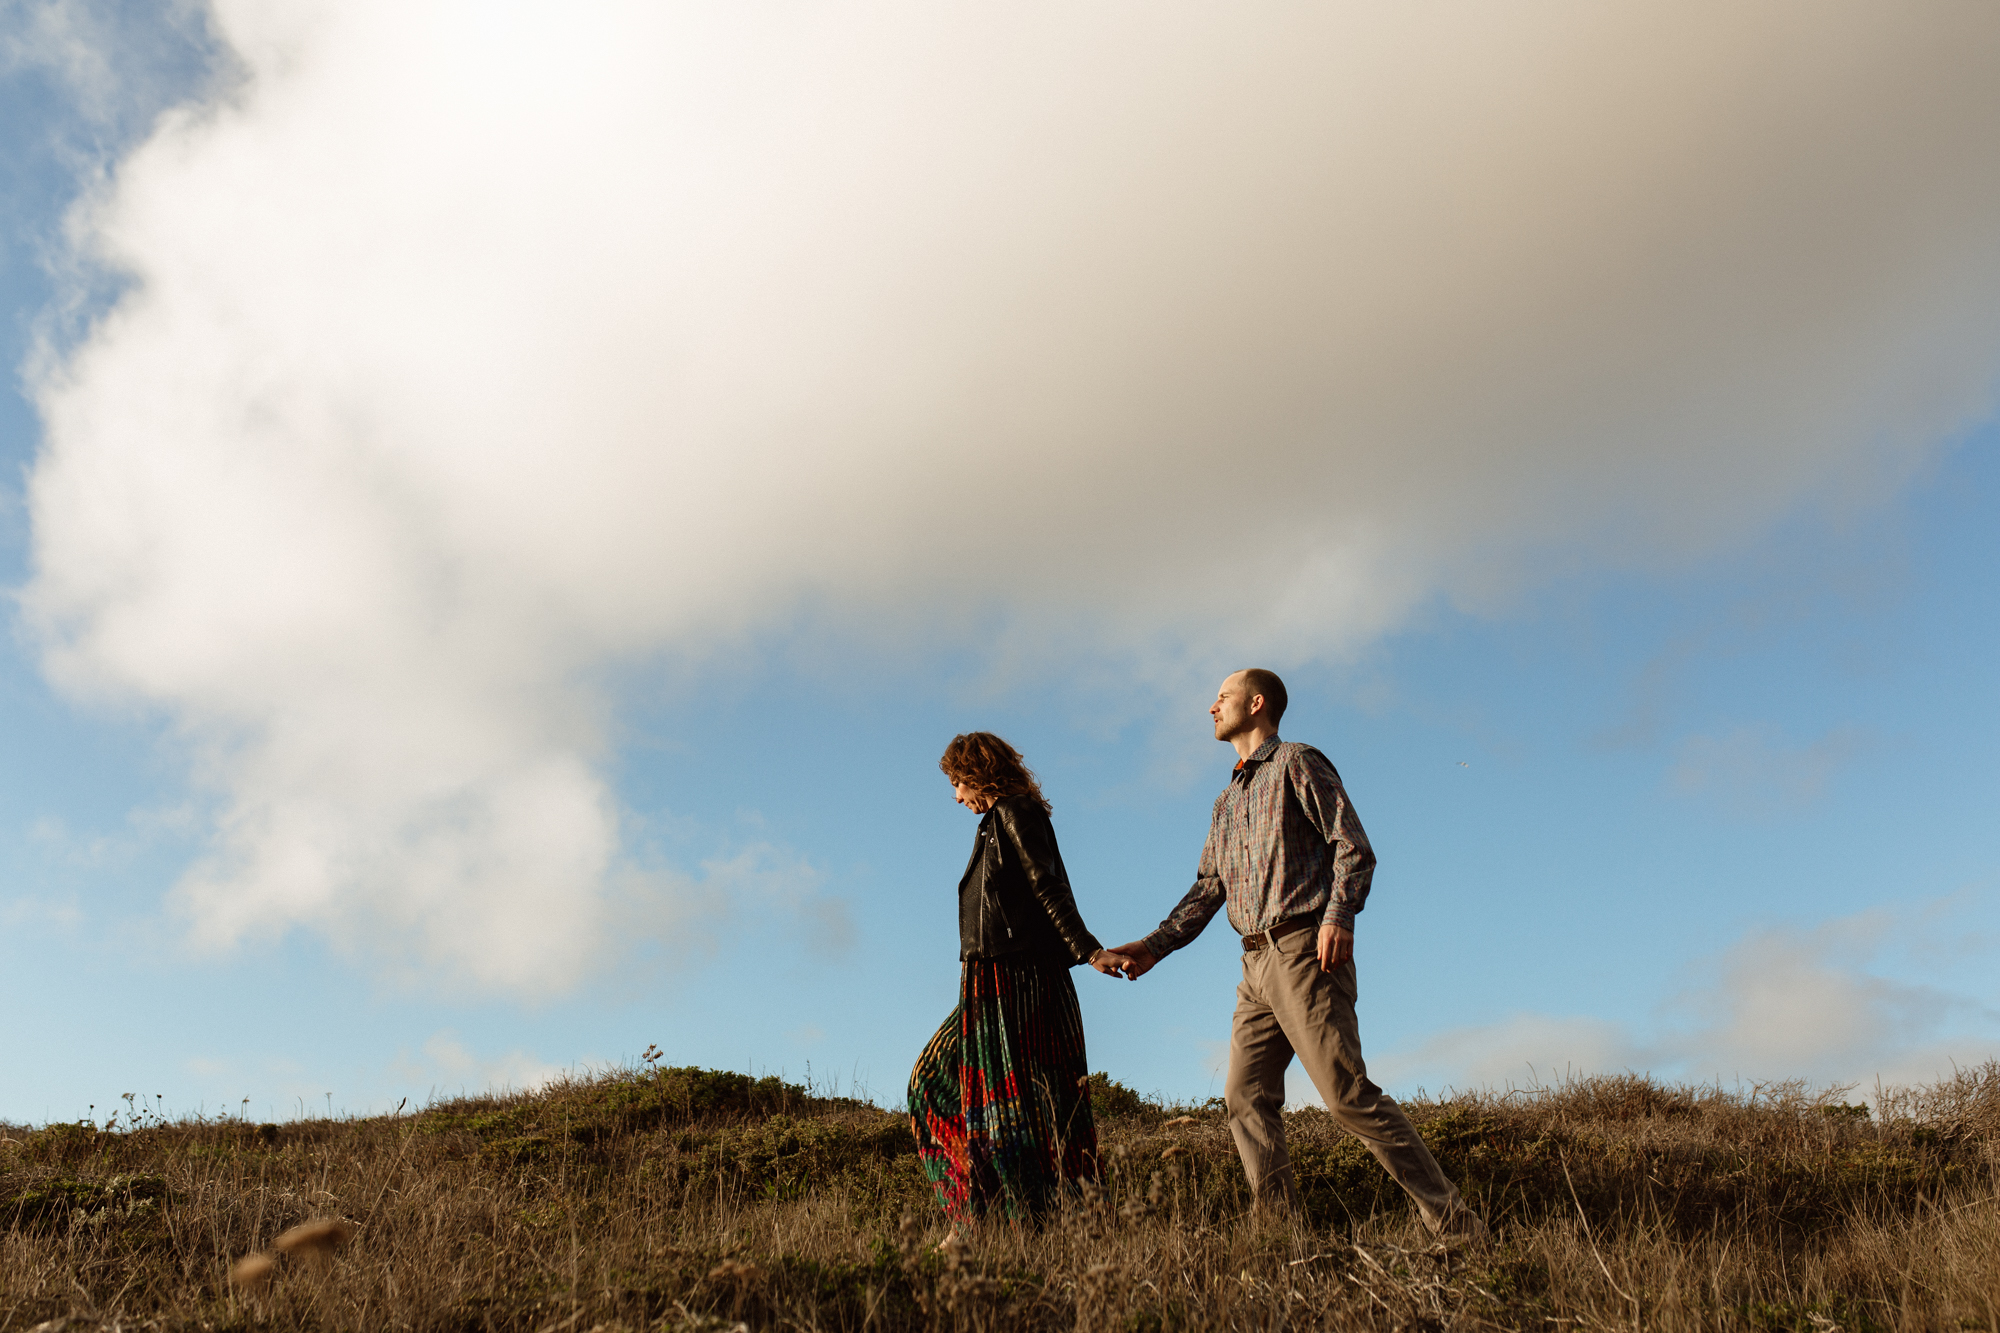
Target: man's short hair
[[1259, 681]]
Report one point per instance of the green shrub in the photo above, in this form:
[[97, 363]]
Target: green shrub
[[61, 1201], [1110, 1099], [581, 1117], [784, 1157], [62, 1142]]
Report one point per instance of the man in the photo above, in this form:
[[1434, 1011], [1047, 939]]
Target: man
[[1286, 853]]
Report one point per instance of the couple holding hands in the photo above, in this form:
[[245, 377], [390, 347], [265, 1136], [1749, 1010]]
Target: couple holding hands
[[1000, 1098]]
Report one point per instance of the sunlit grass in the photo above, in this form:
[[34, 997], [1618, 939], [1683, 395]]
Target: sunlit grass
[[682, 1198]]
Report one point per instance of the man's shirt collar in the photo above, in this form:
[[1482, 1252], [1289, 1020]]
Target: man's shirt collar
[[1258, 755]]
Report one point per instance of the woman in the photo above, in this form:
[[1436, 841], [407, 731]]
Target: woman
[[1000, 1099]]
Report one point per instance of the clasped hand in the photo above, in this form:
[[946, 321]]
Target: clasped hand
[[1130, 961], [1135, 960]]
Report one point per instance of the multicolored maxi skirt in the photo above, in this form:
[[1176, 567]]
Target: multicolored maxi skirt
[[1000, 1099]]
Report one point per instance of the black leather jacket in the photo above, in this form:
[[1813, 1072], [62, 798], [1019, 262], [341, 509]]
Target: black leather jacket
[[1015, 896]]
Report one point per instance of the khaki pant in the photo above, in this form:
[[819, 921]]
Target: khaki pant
[[1287, 1006]]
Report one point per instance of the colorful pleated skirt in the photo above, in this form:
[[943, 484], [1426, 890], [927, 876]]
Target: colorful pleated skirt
[[1000, 1098]]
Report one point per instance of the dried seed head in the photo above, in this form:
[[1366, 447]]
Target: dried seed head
[[735, 1270], [321, 1236], [1180, 1120], [1175, 1151], [251, 1272]]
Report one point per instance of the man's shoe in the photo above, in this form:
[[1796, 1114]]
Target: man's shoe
[[1467, 1229]]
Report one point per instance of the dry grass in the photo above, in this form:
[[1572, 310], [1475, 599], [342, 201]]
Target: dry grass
[[687, 1199]]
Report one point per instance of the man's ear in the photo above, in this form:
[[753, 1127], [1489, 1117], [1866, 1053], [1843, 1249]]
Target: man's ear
[[1256, 704]]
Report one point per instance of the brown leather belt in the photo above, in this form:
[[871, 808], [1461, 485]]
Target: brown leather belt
[[1263, 938]]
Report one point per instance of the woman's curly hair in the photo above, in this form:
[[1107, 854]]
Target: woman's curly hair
[[991, 767]]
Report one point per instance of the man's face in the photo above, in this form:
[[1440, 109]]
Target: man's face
[[1231, 709]]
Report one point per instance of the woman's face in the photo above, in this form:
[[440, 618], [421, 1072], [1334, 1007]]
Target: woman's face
[[977, 802]]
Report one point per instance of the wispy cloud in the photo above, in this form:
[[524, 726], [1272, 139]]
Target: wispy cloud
[[1755, 770], [461, 361], [60, 913], [759, 885], [1782, 1002], [76, 42], [116, 67], [446, 1065]]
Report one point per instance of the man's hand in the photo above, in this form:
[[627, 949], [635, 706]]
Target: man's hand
[[1130, 961], [1336, 947]]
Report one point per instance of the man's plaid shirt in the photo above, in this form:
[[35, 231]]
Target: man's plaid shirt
[[1283, 842]]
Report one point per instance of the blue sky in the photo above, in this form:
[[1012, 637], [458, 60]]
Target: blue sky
[[1653, 632]]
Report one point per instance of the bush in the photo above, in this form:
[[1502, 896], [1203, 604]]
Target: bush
[[58, 1202], [1110, 1099]]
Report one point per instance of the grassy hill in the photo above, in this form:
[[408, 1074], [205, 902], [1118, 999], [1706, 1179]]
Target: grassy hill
[[694, 1199]]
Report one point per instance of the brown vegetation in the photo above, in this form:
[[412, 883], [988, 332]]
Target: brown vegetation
[[690, 1199]]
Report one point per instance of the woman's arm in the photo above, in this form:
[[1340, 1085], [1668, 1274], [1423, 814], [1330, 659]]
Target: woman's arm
[[1029, 830]]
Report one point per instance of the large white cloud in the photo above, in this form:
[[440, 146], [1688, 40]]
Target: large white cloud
[[469, 348]]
